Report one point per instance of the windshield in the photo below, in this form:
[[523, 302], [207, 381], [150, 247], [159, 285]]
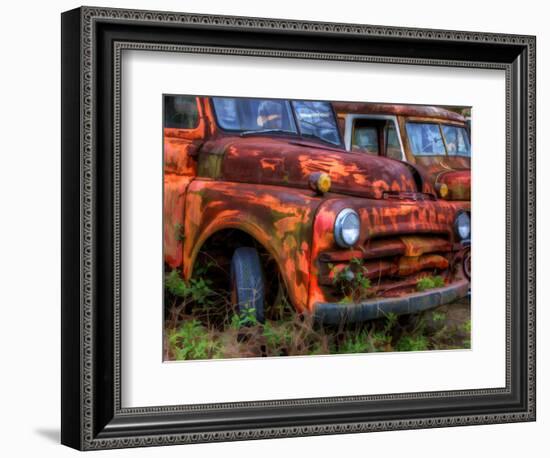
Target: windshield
[[254, 115], [458, 143], [316, 119], [425, 139]]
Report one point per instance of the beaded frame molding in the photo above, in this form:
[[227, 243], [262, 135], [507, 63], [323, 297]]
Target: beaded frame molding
[[92, 42]]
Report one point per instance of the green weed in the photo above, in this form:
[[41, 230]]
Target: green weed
[[192, 341], [196, 289], [352, 281], [246, 318], [191, 332], [410, 343], [356, 343], [426, 283]]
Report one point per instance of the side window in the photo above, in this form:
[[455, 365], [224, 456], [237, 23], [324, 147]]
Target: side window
[[180, 112], [366, 139], [393, 147]]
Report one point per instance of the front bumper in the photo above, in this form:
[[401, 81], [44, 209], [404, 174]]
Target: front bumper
[[334, 313]]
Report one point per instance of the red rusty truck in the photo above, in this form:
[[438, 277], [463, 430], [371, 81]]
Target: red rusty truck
[[267, 189], [434, 139]]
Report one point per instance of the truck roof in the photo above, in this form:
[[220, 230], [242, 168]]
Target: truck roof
[[393, 109]]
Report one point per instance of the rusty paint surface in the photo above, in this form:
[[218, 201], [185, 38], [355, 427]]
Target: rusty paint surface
[[216, 180], [417, 245], [179, 170], [174, 211], [386, 228], [280, 219], [286, 162], [459, 184], [404, 266], [409, 265], [397, 110], [454, 171]]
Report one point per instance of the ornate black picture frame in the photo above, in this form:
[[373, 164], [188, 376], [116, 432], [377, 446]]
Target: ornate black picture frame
[[92, 42]]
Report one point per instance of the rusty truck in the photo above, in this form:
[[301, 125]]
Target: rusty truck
[[267, 188]]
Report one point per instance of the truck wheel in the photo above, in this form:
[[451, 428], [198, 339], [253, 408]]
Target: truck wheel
[[247, 282], [467, 264]]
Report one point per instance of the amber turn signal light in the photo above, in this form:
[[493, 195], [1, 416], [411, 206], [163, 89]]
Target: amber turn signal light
[[442, 190], [319, 182]]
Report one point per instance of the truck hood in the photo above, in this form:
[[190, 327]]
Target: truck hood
[[289, 161], [453, 171], [458, 182]]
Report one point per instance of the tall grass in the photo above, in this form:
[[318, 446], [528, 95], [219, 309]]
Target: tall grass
[[200, 324]]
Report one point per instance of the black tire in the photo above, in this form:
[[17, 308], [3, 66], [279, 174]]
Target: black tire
[[247, 282], [467, 264]]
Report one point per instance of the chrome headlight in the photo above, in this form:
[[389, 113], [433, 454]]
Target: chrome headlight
[[347, 228], [462, 225]]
